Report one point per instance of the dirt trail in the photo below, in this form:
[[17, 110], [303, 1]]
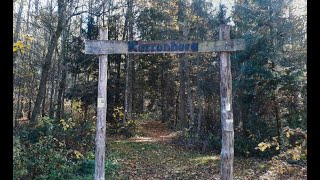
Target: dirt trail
[[152, 156], [154, 131]]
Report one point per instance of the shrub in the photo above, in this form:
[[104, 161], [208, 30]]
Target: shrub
[[293, 145], [86, 167], [45, 160], [112, 165], [19, 165]]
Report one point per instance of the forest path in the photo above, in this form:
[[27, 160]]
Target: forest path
[[153, 131], [152, 156]]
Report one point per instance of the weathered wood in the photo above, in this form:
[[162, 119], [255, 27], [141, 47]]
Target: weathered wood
[[101, 113], [227, 150], [153, 47], [225, 45]]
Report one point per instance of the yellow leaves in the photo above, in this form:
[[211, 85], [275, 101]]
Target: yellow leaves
[[288, 134], [77, 154], [263, 146], [17, 46], [280, 169], [118, 112], [22, 45], [65, 125], [296, 153]]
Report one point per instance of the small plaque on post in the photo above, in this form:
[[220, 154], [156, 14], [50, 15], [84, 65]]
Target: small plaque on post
[[228, 107], [229, 125], [101, 103]]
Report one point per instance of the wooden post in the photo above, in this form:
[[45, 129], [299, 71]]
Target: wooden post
[[227, 150], [99, 173], [225, 45]]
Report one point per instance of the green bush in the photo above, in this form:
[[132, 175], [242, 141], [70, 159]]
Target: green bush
[[112, 166], [245, 144], [54, 149], [86, 167], [19, 165], [45, 160]]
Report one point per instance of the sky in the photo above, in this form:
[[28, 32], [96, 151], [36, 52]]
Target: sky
[[300, 5]]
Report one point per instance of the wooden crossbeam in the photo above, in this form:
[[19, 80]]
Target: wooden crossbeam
[[100, 47], [225, 45]]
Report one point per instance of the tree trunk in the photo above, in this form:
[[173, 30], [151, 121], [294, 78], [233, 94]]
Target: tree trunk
[[47, 63], [182, 101], [62, 83], [199, 120], [177, 111], [132, 81], [183, 31], [190, 101], [126, 93], [240, 123], [18, 23], [278, 121], [118, 76], [199, 94], [18, 107], [29, 108], [30, 99], [43, 112], [28, 15], [128, 88], [162, 92], [51, 107]]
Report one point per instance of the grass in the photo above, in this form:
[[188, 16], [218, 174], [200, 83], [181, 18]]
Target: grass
[[156, 160], [150, 157]]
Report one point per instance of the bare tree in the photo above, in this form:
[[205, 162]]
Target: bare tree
[[47, 64]]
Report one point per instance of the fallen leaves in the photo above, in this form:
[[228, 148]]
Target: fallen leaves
[[152, 156]]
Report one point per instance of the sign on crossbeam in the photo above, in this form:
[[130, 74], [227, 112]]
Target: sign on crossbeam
[[99, 47], [225, 45]]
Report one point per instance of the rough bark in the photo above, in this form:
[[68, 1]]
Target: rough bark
[[47, 64], [101, 113], [227, 150], [190, 101], [18, 107], [126, 93], [199, 101], [51, 107], [128, 88], [62, 85], [182, 101], [18, 23], [43, 110], [162, 97]]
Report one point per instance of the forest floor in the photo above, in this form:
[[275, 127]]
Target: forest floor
[[151, 155]]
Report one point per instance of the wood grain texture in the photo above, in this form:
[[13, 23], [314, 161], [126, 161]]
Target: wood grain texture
[[101, 113], [159, 47], [227, 149]]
